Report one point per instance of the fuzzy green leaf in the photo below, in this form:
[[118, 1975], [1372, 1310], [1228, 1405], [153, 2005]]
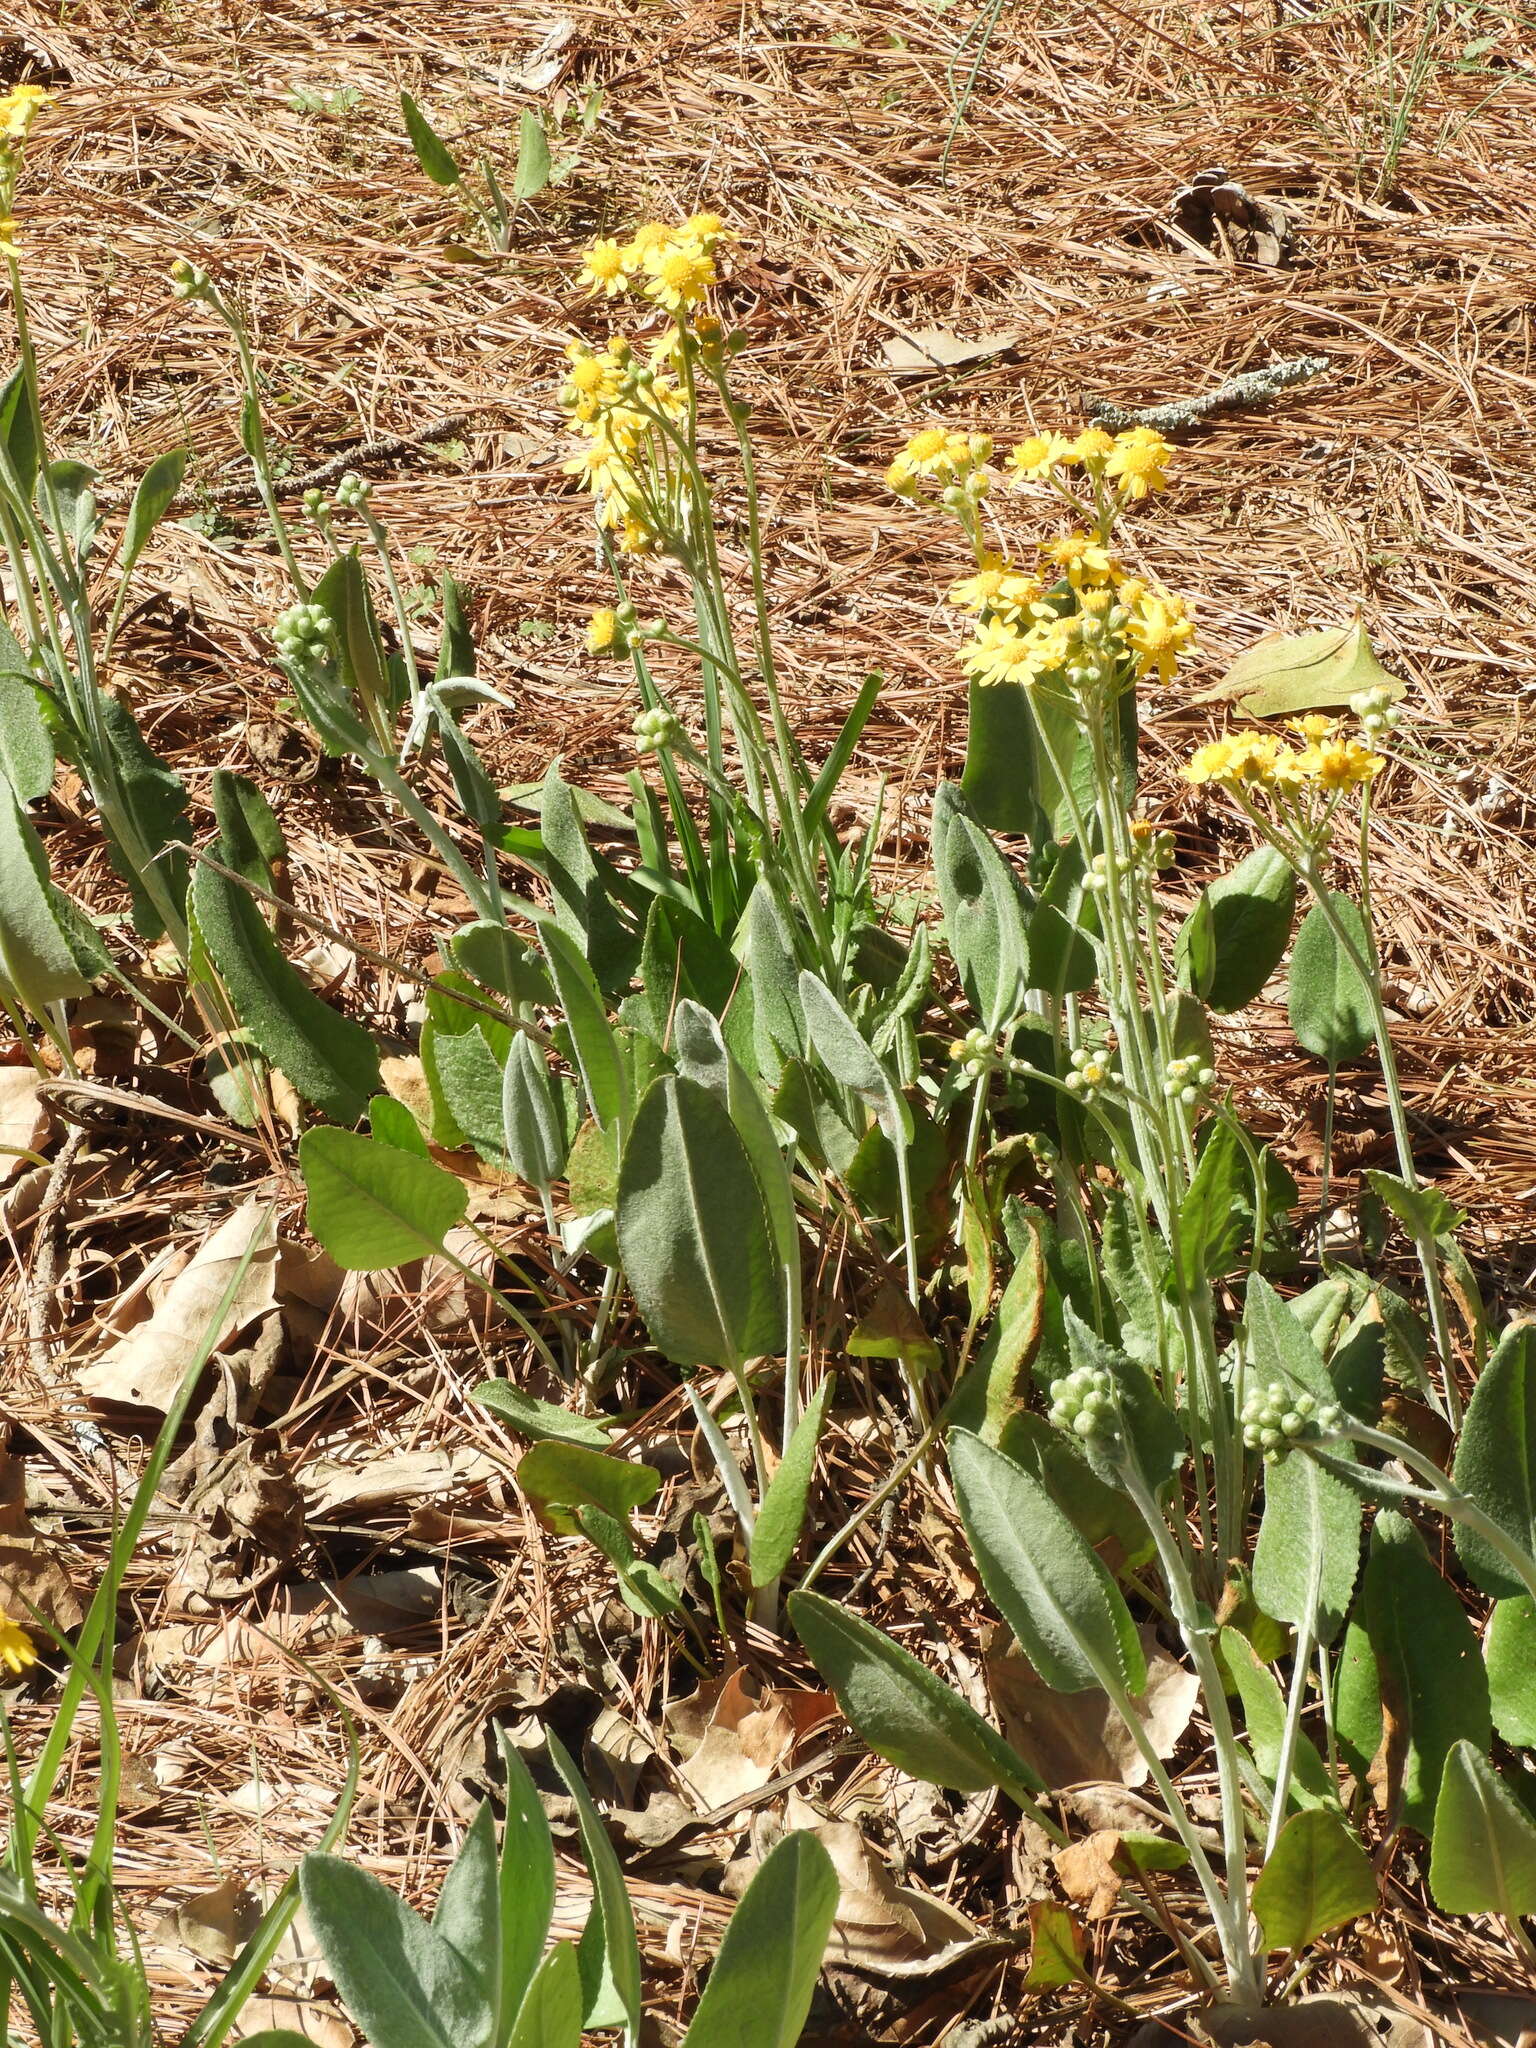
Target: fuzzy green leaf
[[608, 1953], [1496, 1460], [151, 501], [1509, 1656], [904, 1711], [1050, 1588], [986, 914], [694, 1232], [781, 1516], [331, 1061], [1425, 1669], [431, 151], [550, 2014], [1237, 933], [403, 1984], [1308, 1553], [533, 165], [539, 1420], [39, 964], [372, 1205], [1483, 1858], [560, 1476], [760, 1989], [1329, 1010], [1317, 1878]]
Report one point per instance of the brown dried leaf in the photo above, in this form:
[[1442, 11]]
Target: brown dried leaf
[[1088, 1874], [1079, 1738], [882, 1927], [25, 1121], [1337, 2021], [30, 1573], [734, 1740], [331, 1488], [936, 348], [145, 1369], [214, 1926], [310, 2019]]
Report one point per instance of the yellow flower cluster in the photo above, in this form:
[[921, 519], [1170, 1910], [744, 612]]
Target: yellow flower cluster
[[16, 1648], [615, 404], [1027, 631], [1135, 460], [1331, 761], [672, 266], [19, 108], [939, 457]]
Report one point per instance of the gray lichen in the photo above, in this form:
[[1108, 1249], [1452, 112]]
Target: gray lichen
[[1253, 387]]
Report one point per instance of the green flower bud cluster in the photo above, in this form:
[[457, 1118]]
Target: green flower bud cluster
[[1376, 710], [1089, 1072], [1151, 847], [656, 730], [189, 280], [975, 1054], [960, 497], [303, 634], [353, 492], [1042, 1149], [317, 508], [1103, 869], [1276, 1416], [1187, 1081], [1085, 1403]]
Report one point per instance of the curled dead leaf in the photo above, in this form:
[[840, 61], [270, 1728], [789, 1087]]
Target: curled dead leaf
[[1087, 1873], [310, 2019], [1079, 1738], [145, 1369], [734, 1737], [31, 1574], [25, 1119], [883, 1928]]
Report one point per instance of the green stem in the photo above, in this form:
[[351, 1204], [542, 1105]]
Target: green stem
[[1367, 966], [1285, 1763], [1230, 1908]]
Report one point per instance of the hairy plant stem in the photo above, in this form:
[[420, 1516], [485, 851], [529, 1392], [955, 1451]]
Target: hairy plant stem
[[1285, 1762], [1229, 1907], [1438, 1492]]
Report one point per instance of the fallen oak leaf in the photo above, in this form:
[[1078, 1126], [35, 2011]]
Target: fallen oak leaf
[[923, 350], [146, 1368]]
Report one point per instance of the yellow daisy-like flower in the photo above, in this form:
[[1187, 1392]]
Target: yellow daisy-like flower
[[679, 277], [602, 630], [927, 453], [20, 107], [16, 1647], [1158, 631], [594, 378], [1092, 448], [605, 268], [703, 229], [1040, 454], [651, 239], [1340, 764], [1084, 559], [1137, 462], [1315, 726], [1003, 653], [996, 589], [1250, 758], [901, 478], [635, 537]]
